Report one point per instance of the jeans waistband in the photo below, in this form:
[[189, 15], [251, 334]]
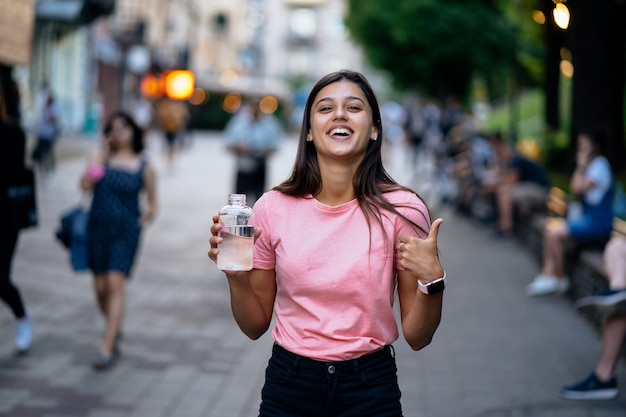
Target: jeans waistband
[[349, 366]]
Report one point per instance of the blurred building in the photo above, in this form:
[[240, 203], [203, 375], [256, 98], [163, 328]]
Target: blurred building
[[62, 58], [273, 45], [93, 54]]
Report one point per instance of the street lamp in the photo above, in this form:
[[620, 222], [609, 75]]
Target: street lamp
[[179, 84], [561, 14]]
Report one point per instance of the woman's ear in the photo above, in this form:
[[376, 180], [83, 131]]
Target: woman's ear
[[374, 134]]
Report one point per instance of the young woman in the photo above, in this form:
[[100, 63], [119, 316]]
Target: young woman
[[335, 241], [117, 176]]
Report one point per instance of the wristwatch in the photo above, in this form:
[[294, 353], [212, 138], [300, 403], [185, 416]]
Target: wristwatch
[[433, 287]]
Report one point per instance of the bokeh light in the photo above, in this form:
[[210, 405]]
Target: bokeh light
[[232, 102], [539, 17], [268, 104], [561, 15], [567, 69], [152, 86], [179, 84], [198, 97], [229, 78]]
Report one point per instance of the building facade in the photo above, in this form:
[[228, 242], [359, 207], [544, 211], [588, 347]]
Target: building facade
[[94, 54]]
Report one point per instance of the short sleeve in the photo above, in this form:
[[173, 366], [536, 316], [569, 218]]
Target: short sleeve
[[264, 249], [599, 172]]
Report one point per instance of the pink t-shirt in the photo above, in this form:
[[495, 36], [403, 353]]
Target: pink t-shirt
[[335, 280]]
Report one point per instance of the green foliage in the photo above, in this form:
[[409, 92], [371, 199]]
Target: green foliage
[[528, 109], [439, 48], [528, 113], [556, 150], [432, 46]]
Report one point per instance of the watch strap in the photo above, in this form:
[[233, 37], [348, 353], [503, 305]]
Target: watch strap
[[433, 287]]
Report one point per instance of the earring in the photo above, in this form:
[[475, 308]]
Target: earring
[[309, 138], [375, 138]]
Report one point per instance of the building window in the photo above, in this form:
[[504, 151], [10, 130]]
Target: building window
[[303, 23]]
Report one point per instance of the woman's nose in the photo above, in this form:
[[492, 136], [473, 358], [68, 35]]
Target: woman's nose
[[340, 113]]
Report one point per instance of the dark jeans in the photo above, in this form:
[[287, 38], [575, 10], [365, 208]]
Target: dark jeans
[[252, 182], [300, 387], [9, 292]]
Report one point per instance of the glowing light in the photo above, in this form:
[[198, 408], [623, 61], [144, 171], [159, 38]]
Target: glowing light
[[530, 148], [565, 54], [561, 15], [232, 102], [229, 78], [198, 97], [539, 17], [268, 104], [179, 84], [567, 69], [152, 86]]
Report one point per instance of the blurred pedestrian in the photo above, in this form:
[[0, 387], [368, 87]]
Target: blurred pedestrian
[[520, 182], [592, 182], [48, 129], [12, 152], [172, 118], [414, 126], [601, 384], [252, 136], [117, 176], [451, 116], [394, 119], [470, 162], [334, 243]]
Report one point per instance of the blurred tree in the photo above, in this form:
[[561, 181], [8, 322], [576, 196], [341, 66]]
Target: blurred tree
[[439, 47], [554, 39]]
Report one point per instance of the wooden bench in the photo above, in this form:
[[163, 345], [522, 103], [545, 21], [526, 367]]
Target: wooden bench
[[529, 226]]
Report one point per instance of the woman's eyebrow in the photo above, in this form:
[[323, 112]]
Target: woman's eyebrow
[[348, 98]]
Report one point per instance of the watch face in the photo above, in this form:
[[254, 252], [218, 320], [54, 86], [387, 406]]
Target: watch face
[[436, 287]]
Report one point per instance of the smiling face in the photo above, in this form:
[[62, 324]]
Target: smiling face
[[341, 121]]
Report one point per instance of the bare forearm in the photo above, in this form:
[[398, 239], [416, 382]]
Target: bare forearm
[[579, 181], [420, 325], [247, 308]]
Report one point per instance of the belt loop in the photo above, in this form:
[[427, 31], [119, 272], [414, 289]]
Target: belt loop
[[393, 351]]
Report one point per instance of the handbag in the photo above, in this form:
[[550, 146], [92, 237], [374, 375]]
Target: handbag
[[18, 205], [72, 234]]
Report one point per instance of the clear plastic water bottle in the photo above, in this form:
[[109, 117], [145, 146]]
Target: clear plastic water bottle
[[236, 249]]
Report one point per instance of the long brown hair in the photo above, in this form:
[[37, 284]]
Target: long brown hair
[[371, 180]]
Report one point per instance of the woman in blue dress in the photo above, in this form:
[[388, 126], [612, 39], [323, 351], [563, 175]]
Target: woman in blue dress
[[118, 176]]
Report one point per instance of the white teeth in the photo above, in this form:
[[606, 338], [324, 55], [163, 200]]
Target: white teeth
[[340, 132]]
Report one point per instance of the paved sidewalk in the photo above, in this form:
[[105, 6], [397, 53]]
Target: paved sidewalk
[[497, 352]]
